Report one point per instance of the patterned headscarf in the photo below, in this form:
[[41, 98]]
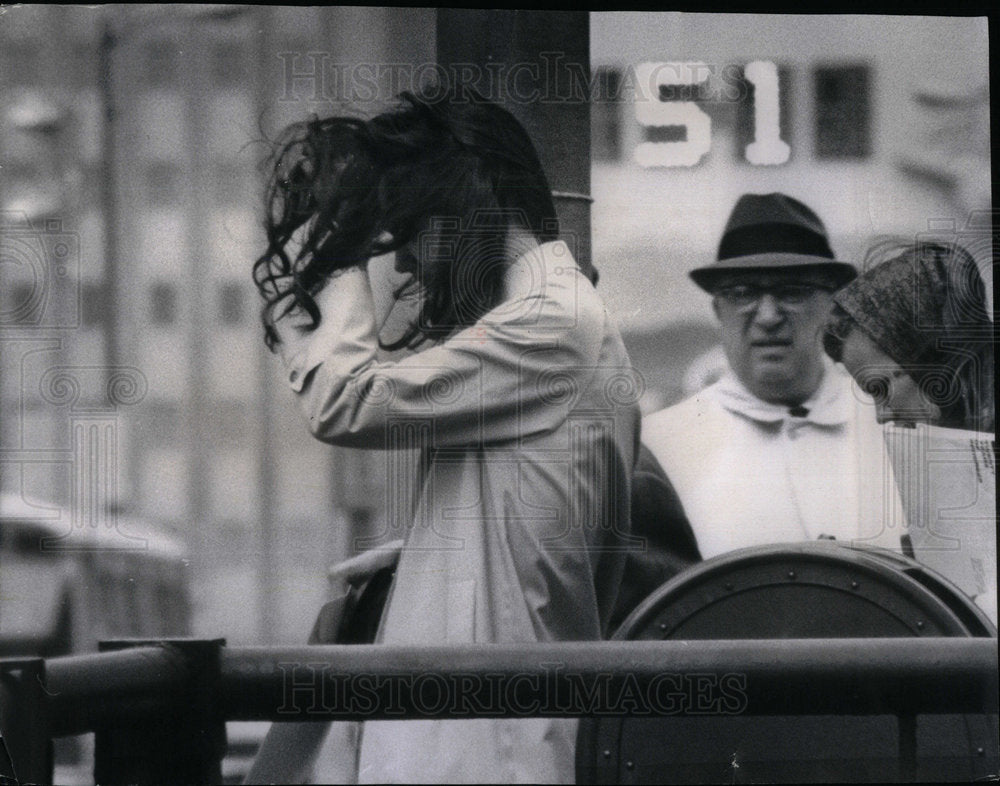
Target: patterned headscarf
[[926, 309]]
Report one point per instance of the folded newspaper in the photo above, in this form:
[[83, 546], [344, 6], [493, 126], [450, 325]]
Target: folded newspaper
[[947, 483]]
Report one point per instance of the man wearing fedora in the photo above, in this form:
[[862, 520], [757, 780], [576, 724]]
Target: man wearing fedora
[[782, 448]]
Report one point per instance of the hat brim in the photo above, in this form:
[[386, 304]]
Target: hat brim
[[706, 277]]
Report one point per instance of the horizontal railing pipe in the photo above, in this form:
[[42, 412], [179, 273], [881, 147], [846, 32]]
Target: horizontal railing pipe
[[86, 691], [805, 676]]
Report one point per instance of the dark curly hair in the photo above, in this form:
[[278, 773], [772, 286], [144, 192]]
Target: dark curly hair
[[343, 190]]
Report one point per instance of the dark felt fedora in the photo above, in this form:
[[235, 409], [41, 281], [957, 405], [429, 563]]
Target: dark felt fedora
[[770, 231]]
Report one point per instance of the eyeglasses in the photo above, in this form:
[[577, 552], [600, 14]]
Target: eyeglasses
[[746, 296]]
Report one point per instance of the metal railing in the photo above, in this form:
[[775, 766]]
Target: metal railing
[[161, 707]]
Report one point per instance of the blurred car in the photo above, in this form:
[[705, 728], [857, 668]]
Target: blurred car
[[64, 588]]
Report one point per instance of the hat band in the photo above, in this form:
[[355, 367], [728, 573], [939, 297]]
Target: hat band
[[773, 239]]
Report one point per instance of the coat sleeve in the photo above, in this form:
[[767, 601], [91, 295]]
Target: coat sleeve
[[658, 518], [512, 374]]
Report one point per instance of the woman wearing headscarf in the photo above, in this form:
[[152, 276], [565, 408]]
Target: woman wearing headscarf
[[915, 333]]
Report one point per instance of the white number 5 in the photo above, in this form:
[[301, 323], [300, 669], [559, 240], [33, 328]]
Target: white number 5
[[650, 111]]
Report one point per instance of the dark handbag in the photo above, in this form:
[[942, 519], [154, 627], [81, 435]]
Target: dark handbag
[[289, 750], [354, 617]]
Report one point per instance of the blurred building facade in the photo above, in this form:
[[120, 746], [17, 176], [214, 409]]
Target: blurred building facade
[[156, 166]]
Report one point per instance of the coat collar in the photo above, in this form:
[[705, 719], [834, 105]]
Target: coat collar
[[829, 406], [544, 265]]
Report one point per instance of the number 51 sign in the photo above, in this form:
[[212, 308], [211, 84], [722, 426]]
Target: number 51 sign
[[767, 148]]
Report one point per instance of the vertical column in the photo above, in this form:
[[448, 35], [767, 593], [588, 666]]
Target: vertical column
[[537, 65], [200, 428], [263, 57], [109, 192]]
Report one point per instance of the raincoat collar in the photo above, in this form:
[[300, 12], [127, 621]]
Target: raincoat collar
[[829, 406]]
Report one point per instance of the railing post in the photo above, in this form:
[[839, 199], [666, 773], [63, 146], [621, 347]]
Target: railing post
[[24, 721], [185, 745]]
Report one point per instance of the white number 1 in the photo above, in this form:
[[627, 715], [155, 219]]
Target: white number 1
[[767, 147]]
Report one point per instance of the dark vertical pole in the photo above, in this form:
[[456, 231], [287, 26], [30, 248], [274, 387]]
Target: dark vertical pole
[[109, 195], [907, 748], [182, 744], [25, 740], [537, 65], [115, 320], [192, 88]]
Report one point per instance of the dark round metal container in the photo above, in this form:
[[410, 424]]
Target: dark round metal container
[[794, 591]]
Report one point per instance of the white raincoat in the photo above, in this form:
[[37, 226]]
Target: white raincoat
[[750, 473], [528, 424]]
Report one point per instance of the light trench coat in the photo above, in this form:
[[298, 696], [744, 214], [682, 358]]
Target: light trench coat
[[527, 424], [750, 473]]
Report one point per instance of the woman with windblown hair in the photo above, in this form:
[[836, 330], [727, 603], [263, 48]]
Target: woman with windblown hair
[[518, 392], [915, 332]]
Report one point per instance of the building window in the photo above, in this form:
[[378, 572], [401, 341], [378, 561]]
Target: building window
[[22, 304], [160, 63], [159, 424], [93, 305], [230, 185], [163, 304], [21, 61], [163, 184], [231, 303], [229, 67], [92, 182], [606, 115], [85, 64], [843, 111], [23, 170]]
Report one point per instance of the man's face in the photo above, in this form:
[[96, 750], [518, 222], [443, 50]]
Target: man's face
[[772, 326]]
